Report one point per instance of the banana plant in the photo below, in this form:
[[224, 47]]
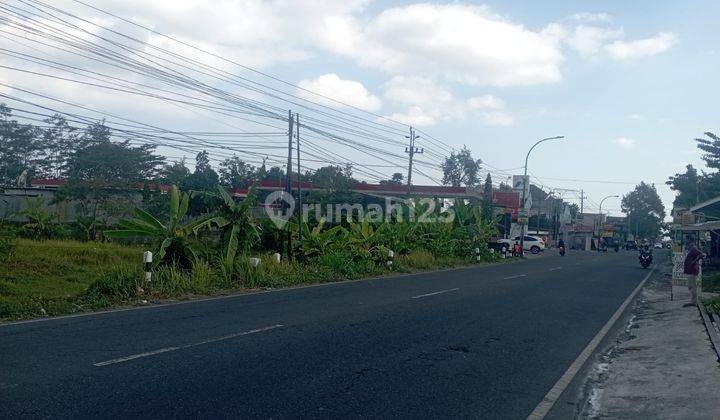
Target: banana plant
[[316, 241], [173, 236], [365, 240], [240, 231]]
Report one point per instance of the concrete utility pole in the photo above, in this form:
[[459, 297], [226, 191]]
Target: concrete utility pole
[[411, 150], [288, 186], [527, 187], [299, 187], [582, 202]]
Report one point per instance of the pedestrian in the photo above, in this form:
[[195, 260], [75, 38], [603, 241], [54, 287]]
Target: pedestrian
[[516, 249], [691, 268]]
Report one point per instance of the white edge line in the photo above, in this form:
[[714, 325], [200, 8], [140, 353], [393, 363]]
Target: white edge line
[[435, 293], [135, 356], [515, 277], [543, 408], [168, 349]]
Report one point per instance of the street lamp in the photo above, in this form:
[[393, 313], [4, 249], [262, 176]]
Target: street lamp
[[600, 219], [527, 186]]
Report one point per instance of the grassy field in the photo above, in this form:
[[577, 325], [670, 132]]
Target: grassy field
[[45, 278], [50, 277]]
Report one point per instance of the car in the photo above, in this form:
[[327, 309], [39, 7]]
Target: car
[[533, 244], [631, 245]]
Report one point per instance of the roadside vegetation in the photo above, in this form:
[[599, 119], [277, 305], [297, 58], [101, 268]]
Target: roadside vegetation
[[213, 253], [80, 247]]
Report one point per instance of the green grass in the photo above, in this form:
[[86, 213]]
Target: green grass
[[711, 282], [713, 305], [60, 277], [51, 276]]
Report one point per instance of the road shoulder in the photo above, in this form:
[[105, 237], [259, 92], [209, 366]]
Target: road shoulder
[[660, 365]]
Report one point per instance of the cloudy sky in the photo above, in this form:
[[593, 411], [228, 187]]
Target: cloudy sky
[[629, 84]]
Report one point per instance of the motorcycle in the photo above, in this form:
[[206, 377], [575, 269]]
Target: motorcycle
[[645, 260], [562, 251]]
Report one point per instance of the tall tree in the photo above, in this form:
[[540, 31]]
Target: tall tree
[[711, 147], [175, 173], [396, 179], [460, 168], [235, 173], [487, 207], [645, 210], [203, 179], [20, 148], [60, 141], [102, 174]]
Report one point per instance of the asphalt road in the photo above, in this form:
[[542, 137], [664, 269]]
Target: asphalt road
[[478, 342]]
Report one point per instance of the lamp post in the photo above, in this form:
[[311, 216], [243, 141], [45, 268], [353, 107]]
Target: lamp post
[[600, 219], [527, 186]]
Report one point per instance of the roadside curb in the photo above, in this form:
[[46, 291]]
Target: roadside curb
[[552, 396], [710, 328]]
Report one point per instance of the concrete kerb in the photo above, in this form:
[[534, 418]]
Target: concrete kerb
[[710, 328], [554, 394]]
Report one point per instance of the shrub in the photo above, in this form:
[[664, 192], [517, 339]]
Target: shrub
[[713, 306], [119, 284], [8, 243], [711, 282], [347, 265]]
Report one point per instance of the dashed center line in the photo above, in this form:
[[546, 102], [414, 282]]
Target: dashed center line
[[515, 277], [168, 349], [556, 268], [435, 293]]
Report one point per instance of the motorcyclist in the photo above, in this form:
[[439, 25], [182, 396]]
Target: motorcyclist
[[561, 246], [645, 249]]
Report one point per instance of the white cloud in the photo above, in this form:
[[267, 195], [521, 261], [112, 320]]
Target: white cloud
[[454, 42], [428, 103], [637, 117], [589, 40], [332, 86], [625, 143], [586, 17], [623, 50]]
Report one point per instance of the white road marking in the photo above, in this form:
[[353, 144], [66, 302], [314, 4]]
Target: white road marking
[[552, 396], [167, 349], [515, 277], [435, 293], [556, 268], [135, 356]]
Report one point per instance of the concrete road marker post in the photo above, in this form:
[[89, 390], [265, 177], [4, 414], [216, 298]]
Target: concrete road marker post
[[477, 254], [147, 259], [391, 256], [254, 262], [277, 257]]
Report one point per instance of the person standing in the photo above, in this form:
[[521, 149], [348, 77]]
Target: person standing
[[691, 268]]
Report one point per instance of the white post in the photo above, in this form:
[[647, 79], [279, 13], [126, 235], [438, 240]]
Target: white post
[[391, 256], [276, 257], [254, 262], [147, 259], [477, 254]]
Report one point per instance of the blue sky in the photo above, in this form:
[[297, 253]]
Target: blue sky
[[629, 84]]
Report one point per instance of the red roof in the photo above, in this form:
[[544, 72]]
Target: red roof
[[507, 199]]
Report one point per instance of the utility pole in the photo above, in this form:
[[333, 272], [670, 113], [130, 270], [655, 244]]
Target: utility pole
[[411, 150], [299, 187], [288, 186], [582, 202]]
